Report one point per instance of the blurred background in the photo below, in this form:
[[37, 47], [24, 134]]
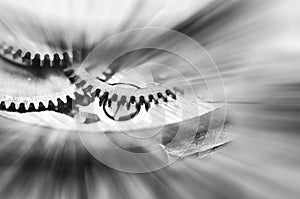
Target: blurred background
[[255, 46]]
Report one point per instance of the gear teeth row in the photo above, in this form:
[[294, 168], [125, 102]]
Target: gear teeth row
[[133, 100], [58, 61], [122, 96], [60, 105], [62, 102], [26, 58]]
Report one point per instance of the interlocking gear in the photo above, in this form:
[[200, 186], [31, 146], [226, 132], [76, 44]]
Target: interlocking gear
[[35, 84]]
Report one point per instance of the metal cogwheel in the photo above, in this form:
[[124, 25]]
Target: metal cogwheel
[[47, 88]]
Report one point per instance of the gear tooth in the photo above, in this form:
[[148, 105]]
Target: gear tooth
[[31, 107], [3, 105], [41, 107], [100, 101], [68, 72], [109, 102], [69, 100], [47, 61], [87, 89], [77, 95], [123, 100], [142, 100], [66, 60], [60, 101], [138, 106], [80, 84], [170, 93], [114, 98], [8, 50], [36, 62], [132, 99], [159, 95], [17, 54], [51, 105], [27, 58], [60, 104], [97, 92], [76, 56], [103, 98], [128, 106], [74, 79], [56, 60], [147, 106], [11, 107], [151, 98], [22, 108], [106, 94]]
